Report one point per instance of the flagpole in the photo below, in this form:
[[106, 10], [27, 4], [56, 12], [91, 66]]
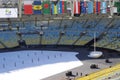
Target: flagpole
[[20, 8], [111, 8], [72, 7], [94, 41]]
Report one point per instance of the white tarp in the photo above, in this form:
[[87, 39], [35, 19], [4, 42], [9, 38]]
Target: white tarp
[[8, 12]]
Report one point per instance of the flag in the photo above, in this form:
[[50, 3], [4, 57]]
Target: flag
[[28, 7], [76, 7], [54, 7], [103, 7], [46, 7], [117, 4], [62, 7], [83, 7], [97, 5], [37, 7], [90, 7]]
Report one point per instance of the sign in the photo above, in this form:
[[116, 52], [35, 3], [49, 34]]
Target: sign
[[8, 12]]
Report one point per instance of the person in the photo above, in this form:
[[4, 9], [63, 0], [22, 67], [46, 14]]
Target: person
[[81, 74], [76, 73]]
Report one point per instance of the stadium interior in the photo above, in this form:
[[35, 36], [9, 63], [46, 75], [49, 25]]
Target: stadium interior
[[63, 32]]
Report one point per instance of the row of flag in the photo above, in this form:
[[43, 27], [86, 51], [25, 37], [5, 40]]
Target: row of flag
[[60, 7], [45, 7], [89, 7]]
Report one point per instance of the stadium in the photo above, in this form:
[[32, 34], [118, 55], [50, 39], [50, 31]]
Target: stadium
[[59, 39]]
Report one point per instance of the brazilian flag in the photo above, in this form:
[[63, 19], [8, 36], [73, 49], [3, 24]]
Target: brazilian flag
[[37, 7], [46, 7]]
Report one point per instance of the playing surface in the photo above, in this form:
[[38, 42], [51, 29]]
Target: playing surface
[[35, 65]]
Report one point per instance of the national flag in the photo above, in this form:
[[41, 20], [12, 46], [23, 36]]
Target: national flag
[[54, 7], [90, 7], [46, 7], [103, 7], [83, 7], [95, 7], [28, 7], [117, 4], [98, 7], [77, 7], [85, 4], [37, 7], [62, 7]]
